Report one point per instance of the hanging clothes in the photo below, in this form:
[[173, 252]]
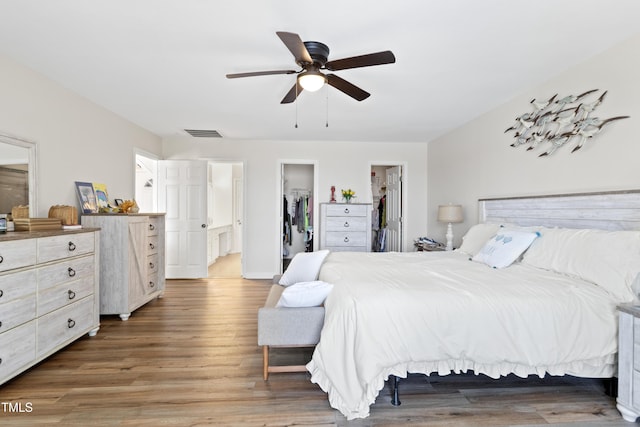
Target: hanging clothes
[[286, 222]]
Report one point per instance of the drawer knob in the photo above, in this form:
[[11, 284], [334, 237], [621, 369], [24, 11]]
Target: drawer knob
[[71, 323], [152, 227], [71, 294], [346, 210], [1, 259], [71, 272], [0, 360], [152, 265], [151, 246], [152, 284], [72, 247], [346, 223], [346, 239], [0, 323], [1, 293]]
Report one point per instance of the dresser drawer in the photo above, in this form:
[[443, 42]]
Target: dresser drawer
[[346, 210], [342, 224], [64, 325], [152, 264], [346, 239], [63, 294], [17, 285], [152, 245], [153, 227], [64, 246], [152, 282], [17, 254], [17, 312], [65, 272], [17, 348], [17, 299]]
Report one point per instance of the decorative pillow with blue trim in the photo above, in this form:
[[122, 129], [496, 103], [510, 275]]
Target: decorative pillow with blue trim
[[505, 247]]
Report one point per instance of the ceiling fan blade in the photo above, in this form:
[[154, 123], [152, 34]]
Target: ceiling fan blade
[[344, 86], [292, 94], [368, 60], [259, 73], [294, 43]]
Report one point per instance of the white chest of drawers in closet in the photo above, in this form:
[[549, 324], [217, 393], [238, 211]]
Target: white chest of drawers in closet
[[132, 260], [345, 226], [49, 294]]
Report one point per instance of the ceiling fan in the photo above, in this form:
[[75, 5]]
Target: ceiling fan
[[312, 57]]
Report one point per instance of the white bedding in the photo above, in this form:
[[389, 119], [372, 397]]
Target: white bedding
[[393, 313]]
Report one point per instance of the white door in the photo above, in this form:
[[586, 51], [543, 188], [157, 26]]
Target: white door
[[182, 194], [394, 209]]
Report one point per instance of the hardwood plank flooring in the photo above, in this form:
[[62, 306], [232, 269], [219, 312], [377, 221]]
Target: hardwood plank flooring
[[191, 359]]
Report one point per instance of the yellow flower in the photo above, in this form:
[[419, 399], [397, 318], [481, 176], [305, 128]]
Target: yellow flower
[[348, 194]]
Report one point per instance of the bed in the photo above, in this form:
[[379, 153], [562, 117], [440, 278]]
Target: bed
[[552, 311]]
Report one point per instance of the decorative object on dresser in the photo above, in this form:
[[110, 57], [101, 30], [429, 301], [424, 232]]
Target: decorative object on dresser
[[450, 214], [132, 260], [67, 214], [345, 227], [559, 120], [49, 294], [86, 197]]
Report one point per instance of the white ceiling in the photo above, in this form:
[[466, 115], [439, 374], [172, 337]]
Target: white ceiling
[[162, 63]]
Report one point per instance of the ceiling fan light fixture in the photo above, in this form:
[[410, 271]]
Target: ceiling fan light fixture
[[312, 80]]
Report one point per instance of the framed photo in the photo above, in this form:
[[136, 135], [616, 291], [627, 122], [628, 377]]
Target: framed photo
[[118, 202], [86, 197], [102, 197]]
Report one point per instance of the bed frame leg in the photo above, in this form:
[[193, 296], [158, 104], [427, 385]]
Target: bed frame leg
[[395, 397], [611, 386]]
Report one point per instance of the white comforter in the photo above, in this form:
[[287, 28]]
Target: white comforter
[[393, 313]]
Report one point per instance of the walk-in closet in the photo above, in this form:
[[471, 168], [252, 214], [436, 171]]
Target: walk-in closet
[[297, 210]]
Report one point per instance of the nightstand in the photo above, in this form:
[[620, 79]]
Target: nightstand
[[629, 361]]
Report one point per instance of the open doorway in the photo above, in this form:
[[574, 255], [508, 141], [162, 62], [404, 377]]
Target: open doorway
[[298, 205], [146, 170], [387, 189], [225, 206]]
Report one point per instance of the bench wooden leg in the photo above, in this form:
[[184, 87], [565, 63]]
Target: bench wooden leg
[[265, 362]]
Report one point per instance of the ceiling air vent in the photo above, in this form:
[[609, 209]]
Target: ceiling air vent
[[203, 133]]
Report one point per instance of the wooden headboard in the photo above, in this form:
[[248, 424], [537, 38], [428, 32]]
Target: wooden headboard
[[613, 210]]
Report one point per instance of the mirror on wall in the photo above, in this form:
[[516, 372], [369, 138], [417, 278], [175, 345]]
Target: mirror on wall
[[17, 174]]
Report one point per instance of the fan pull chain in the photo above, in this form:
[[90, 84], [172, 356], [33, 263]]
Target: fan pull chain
[[327, 112], [296, 102]]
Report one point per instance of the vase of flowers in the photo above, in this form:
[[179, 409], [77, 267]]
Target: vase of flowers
[[347, 195]]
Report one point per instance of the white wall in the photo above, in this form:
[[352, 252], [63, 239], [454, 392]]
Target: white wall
[[77, 140], [343, 164], [475, 161]]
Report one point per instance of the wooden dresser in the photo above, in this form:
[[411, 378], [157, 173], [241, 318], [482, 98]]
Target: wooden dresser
[[345, 226], [629, 362], [132, 260], [49, 295]]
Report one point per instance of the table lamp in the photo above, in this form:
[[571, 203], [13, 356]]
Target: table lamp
[[449, 214]]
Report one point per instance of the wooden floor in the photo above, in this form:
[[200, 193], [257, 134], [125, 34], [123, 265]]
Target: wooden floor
[[191, 359]]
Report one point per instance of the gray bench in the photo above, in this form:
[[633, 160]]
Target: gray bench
[[286, 327]]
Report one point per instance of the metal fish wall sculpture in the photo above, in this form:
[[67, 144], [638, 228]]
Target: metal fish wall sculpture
[[557, 121]]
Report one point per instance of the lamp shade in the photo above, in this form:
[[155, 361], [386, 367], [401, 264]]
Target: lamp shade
[[450, 213]]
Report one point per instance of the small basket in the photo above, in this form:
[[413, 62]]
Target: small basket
[[20, 211], [68, 214]]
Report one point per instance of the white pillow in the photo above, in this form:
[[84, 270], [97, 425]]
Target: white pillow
[[305, 294], [610, 259], [504, 248], [304, 267], [476, 238]]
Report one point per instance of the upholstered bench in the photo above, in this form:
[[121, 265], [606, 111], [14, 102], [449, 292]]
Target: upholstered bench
[[286, 327]]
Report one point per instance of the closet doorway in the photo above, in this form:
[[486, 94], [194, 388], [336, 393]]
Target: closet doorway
[[298, 209], [387, 190]]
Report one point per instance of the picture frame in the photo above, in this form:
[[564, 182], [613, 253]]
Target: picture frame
[[102, 196], [86, 197], [118, 202]]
